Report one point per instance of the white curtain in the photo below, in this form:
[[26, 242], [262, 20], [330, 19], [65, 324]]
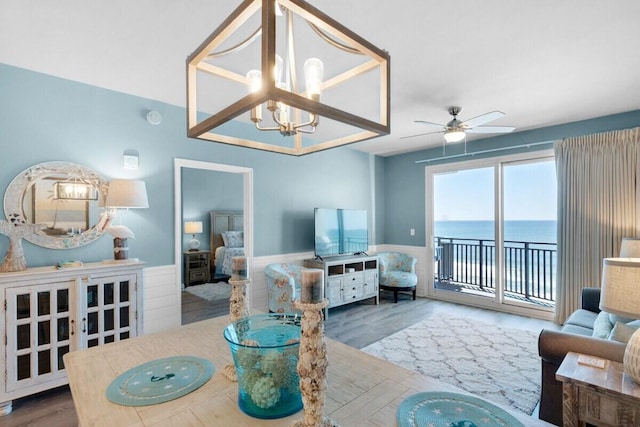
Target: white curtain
[[597, 207]]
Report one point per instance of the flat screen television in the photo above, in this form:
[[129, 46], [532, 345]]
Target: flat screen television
[[340, 232]]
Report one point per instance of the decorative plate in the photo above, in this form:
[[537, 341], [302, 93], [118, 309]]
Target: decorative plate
[[160, 380], [451, 410]]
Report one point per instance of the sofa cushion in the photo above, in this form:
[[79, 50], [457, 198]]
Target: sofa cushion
[[613, 318], [602, 326], [580, 322]]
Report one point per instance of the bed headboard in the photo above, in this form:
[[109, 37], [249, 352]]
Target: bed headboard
[[222, 221]]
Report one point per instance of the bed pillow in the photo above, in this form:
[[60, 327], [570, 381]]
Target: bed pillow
[[233, 239]]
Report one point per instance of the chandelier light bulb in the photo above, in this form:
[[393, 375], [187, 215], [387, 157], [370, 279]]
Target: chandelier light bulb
[[277, 69], [255, 81], [313, 70]]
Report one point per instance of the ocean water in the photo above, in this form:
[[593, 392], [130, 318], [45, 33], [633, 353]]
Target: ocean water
[[519, 231]]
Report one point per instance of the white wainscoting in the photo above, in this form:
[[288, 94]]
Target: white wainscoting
[[162, 301]]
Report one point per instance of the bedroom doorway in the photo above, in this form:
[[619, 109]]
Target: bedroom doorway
[[188, 167]]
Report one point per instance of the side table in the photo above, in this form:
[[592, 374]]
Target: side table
[[601, 396], [196, 267]]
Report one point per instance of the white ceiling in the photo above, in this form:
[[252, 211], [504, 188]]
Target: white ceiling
[[542, 62]]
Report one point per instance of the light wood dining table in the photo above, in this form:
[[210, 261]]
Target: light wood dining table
[[363, 390]]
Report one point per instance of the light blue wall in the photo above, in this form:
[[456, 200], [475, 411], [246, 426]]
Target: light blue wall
[[44, 118], [405, 180]]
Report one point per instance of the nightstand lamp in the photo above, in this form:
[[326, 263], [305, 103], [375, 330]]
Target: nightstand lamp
[[620, 294], [193, 228]]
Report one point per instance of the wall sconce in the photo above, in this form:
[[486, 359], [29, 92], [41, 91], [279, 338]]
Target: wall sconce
[[193, 228], [124, 194]]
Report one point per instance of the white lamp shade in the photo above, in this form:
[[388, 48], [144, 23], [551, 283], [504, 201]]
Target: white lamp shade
[[630, 248], [620, 293], [126, 193], [193, 227], [454, 135]]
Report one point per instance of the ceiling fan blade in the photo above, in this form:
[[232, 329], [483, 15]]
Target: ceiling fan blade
[[429, 123], [420, 134], [482, 119], [492, 129]]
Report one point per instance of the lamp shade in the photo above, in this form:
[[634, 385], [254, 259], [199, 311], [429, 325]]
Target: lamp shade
[[620, 293], [454, 135], [630, 248], [127, 193], [193, 227]]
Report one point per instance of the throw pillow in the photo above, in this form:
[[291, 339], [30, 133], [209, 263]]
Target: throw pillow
[[602, 326], [614, 318], [622, 331], [233, 239]]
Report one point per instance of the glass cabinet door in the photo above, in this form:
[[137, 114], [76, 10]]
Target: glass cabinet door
[[108, 310], [39, 333]]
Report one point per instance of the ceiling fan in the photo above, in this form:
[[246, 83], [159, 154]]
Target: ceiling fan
[[456, 130]]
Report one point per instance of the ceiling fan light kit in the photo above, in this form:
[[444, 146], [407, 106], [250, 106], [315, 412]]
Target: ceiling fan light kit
[[251, 62], [454, 135], [456, 130]]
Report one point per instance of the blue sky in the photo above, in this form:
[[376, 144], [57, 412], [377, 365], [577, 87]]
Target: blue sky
[[529, 193]]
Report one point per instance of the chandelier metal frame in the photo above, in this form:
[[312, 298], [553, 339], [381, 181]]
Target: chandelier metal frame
[[328, 29]]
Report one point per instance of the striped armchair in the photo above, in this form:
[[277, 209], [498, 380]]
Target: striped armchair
[[397, 273]]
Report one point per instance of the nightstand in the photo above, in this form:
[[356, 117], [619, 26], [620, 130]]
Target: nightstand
[[601, 396], [196, 267]]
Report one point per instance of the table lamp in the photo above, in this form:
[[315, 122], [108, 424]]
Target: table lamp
[[620, 294], [124, 194], [193, 228], [630, 248]]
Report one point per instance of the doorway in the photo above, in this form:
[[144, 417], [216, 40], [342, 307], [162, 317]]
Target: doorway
[[181, 165]]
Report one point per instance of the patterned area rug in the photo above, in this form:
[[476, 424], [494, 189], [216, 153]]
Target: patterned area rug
[[211, 291], [497, 364]]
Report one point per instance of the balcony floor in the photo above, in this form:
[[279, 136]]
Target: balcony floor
[[448, 285]]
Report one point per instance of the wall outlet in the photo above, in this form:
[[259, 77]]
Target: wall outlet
[[412, 232]]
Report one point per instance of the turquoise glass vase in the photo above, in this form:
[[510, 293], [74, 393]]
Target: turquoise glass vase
[[265, 354]]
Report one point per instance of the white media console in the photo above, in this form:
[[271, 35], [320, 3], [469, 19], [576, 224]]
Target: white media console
[[348, 278]]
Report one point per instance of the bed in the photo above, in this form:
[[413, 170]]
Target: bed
[[227, 241]]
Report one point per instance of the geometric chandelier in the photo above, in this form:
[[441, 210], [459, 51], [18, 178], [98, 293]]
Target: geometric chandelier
[[281, 76]]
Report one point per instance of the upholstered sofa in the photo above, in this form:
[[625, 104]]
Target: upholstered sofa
[[397, 273], [283, 285], [587, 331]]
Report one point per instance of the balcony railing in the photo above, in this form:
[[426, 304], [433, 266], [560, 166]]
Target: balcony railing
[[529, 267]]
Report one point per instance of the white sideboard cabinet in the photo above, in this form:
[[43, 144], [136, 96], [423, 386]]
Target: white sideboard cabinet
[[48, 312], [348, 278]]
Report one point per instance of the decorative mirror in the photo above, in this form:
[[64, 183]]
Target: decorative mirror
[[64, 198]]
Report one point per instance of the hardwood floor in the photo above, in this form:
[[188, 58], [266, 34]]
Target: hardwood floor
[[357, 325]]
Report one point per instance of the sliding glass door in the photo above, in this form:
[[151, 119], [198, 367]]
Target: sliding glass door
[[464, 230], [492, 227]]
